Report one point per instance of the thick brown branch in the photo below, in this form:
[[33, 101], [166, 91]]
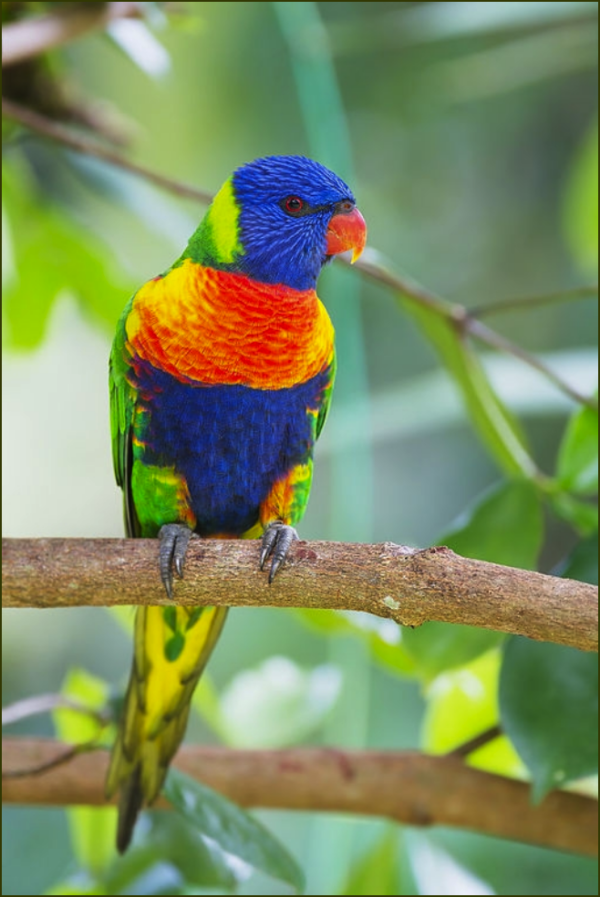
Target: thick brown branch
[[408, 787], [406, 585], [33, 36]]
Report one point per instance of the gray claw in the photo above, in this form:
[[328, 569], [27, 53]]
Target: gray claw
[[276, 541], [174, 539]]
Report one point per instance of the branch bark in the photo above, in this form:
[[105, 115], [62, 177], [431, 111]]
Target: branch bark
[[408, 787], [403, 584]]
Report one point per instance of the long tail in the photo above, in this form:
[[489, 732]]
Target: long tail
[[172, 647]]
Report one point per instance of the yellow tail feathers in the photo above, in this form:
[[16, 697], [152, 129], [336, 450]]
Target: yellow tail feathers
[[172, 647]]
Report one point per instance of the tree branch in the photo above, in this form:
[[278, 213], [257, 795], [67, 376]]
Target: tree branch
[[44, 126], [32, 36], [409, 586], [37, 704], [478, 741], [466, 322], [408, 787], [573, 294]]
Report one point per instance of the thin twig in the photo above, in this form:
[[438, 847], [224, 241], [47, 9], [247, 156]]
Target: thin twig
[[573, 294], [463, 320], [68, 753], [407, 786], [473, 744], [37, 704], [409, 586], [486, 335], [406, 287], [67, 137]]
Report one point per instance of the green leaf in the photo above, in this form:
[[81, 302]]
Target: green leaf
[[581, 203], [580, 514], [88, 691], [549, 710], [93, 829], [52, 256], [436, 647], [578, 454], [234, 830], [496, 426], [376, 871], [383, 637], [505, 526], [582, 563], [278, 703], [462, 704], [69, 888], [166, 838]]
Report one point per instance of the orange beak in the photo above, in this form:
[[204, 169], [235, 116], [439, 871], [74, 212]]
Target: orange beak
[[347, 230]]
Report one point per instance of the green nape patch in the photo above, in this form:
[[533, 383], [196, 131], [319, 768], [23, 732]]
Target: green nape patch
[[217, 239], [223, 219]]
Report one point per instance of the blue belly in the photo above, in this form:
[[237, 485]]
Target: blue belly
[[231, 443]]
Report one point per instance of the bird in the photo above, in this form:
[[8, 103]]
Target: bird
[[220, 377]]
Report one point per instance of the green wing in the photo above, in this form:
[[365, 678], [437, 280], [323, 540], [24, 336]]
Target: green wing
[[324, 409], [123, 399]]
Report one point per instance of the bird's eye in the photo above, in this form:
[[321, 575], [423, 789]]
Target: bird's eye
[[345, 206], [293, 205]]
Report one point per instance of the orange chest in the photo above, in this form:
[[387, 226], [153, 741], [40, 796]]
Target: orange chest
[[215, 327]]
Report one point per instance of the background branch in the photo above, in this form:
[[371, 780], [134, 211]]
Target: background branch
[[44, 126], [575, 294], [403, 584], [466, 322], [408, 787], [42, 704]]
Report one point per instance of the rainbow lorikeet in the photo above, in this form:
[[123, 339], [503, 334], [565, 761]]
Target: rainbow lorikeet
[[220, 379]]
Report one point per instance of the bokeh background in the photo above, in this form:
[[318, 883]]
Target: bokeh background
[[468, 132]]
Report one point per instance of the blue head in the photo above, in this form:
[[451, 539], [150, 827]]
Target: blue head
[[278, 220]]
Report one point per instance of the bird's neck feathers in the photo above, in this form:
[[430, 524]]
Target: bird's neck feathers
[[210, 326], [243, 241], [216, 242]]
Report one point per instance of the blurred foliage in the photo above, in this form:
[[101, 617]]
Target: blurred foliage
[[469, 133], [553, 723]]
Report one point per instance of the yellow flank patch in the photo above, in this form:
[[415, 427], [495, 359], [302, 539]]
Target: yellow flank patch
[[132, 323], [287, 499], [223, 220]]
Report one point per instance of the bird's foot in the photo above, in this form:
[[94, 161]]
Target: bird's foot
[[276, 541], [174, 539]]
